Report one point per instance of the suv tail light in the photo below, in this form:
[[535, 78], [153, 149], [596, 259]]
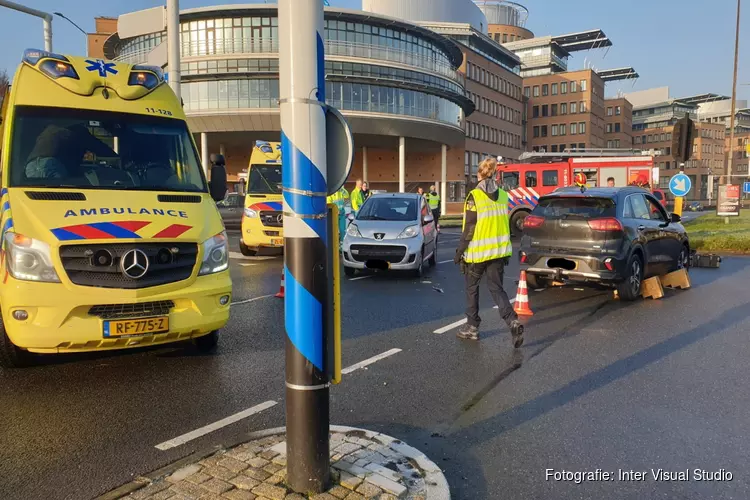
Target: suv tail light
[[532, 221], [606, 224]]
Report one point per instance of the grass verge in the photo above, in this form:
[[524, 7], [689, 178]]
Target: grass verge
[[710, 234]]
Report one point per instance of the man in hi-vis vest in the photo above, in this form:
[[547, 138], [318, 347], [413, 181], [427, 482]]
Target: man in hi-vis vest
[[485, 248]]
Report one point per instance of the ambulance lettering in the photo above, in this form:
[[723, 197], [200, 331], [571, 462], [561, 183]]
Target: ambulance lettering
[[84, 212]]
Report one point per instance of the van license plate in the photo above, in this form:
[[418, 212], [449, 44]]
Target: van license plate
[[279, 242], [130, 327]]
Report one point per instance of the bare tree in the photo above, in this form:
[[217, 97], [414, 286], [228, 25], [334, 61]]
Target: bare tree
[[4, 84]]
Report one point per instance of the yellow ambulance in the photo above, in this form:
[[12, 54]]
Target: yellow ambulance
[[110, 233], [263, 218]]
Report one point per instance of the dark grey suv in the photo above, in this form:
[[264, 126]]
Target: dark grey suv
[[609, 236]]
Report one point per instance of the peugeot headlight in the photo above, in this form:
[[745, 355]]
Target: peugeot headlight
[[353, 231], [250, 213], [215, 254], [409, 232], [29, 259]]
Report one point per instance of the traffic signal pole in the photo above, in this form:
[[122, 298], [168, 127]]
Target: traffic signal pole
[[304, 178]]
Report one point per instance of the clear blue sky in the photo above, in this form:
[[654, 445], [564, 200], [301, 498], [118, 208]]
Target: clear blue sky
[[685, 44]]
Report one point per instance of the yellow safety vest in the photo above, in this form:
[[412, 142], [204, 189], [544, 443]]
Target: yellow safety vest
[[433, 200], [492, 233]]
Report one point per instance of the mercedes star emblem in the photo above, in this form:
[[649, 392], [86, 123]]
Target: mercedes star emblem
[[280, 218], [134, 264]]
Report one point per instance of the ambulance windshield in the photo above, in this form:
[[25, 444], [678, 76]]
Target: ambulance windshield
[[85, 149]]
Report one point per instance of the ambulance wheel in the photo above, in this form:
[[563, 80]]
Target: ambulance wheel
[[10, 355], [247, 251], [349, 272], [534, 282], [207, 343], [516, 222]]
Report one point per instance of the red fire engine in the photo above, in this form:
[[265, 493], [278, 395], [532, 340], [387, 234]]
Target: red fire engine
[[538, 174]]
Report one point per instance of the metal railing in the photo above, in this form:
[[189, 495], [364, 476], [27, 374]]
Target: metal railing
[[137, 57], [332, 47]]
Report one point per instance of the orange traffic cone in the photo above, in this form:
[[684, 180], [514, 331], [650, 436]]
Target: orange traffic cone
[[522, 298], [280, 295]]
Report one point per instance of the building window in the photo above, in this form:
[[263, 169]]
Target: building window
[[582, 108], [549, 177], [573, 128], [535, 112], [564, 108], [650, 139], [554, 131], [583, 85], [618, 110], [609, 128], [582, 128], [609, 111], [545, 89], [573, 87], [553, 110], [527, 91], [582, 145], [638, 139], [564, 88], [617, 143], [668, 165], [536, 90], [669, 151], [617, 127], [545, 110], [536, 131], [663, 137], [505, 38], [563, 131], [609, 144], [554, 89], [573, 108], [554, 148], [544, 130]]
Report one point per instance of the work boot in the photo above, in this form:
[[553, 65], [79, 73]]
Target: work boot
[[516, 330], [468, 332]]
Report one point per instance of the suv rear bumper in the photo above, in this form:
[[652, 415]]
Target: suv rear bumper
[[592, 269]]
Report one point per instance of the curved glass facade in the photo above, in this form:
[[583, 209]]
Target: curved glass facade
[[247, 93]]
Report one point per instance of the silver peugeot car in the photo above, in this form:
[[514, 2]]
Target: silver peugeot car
[[391, 231]]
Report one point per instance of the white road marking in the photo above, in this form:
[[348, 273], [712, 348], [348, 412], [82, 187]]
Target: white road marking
[[361, 277], [247, 265], [369, 361], [460, 322], [237, 255], [180, 440], [250, 300], [445, 261]]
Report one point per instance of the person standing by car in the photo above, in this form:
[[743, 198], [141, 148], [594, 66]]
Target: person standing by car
[[611, 182], [485, 248], [433, 199], [365, 191], [420, 191], [340, 199], [357, 197]]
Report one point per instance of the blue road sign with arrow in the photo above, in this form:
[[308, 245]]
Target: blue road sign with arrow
[[746, 187], [680, 184]]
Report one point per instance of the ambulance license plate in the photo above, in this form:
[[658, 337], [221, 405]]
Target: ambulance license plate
[[129, 327], [279, 242]]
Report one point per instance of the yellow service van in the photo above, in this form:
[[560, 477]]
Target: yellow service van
[[263, 218], [110, 234]]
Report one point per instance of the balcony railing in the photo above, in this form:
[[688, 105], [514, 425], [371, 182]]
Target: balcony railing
[[332, 47]]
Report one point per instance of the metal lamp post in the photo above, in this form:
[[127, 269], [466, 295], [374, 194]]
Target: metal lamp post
[[46, 19]]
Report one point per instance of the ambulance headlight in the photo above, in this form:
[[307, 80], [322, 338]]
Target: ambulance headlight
[[250, 213], [58, 69], [29, 259], [215, 254], [144, 79]]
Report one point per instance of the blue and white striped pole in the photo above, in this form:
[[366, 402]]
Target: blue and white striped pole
[[303, 146]]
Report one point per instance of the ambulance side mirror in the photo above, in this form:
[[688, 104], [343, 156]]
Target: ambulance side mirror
[[218, 184]]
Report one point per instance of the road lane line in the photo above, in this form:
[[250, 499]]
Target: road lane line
[[369, 361], [180, 440], [239, 256], [460, 322], [445, 261], [251, 300], [361, 277], [247, 265]]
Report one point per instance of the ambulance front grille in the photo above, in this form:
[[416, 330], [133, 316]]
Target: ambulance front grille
[[98, 265]]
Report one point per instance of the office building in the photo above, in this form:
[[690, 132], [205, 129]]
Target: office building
[[618, 123]]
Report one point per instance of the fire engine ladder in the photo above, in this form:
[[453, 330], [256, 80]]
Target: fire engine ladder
[[584, 153]]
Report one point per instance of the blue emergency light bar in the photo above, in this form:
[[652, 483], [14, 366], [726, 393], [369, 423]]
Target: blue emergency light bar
[[32, 56]]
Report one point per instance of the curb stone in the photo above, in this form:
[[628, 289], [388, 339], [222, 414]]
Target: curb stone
[[397, 470]]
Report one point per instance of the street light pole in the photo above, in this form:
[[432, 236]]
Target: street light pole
[[60, 14], [306, 240], [46, 19], [734, 102], [173, 46]]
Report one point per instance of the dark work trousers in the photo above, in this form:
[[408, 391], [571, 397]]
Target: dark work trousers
[[494, 269], [436, 216]]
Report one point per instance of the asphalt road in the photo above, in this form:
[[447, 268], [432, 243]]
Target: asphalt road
[[599, 384]]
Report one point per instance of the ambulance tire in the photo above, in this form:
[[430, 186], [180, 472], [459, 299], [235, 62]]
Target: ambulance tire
[[516, 222], [207, 343], [247, 251], [10, 355]]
